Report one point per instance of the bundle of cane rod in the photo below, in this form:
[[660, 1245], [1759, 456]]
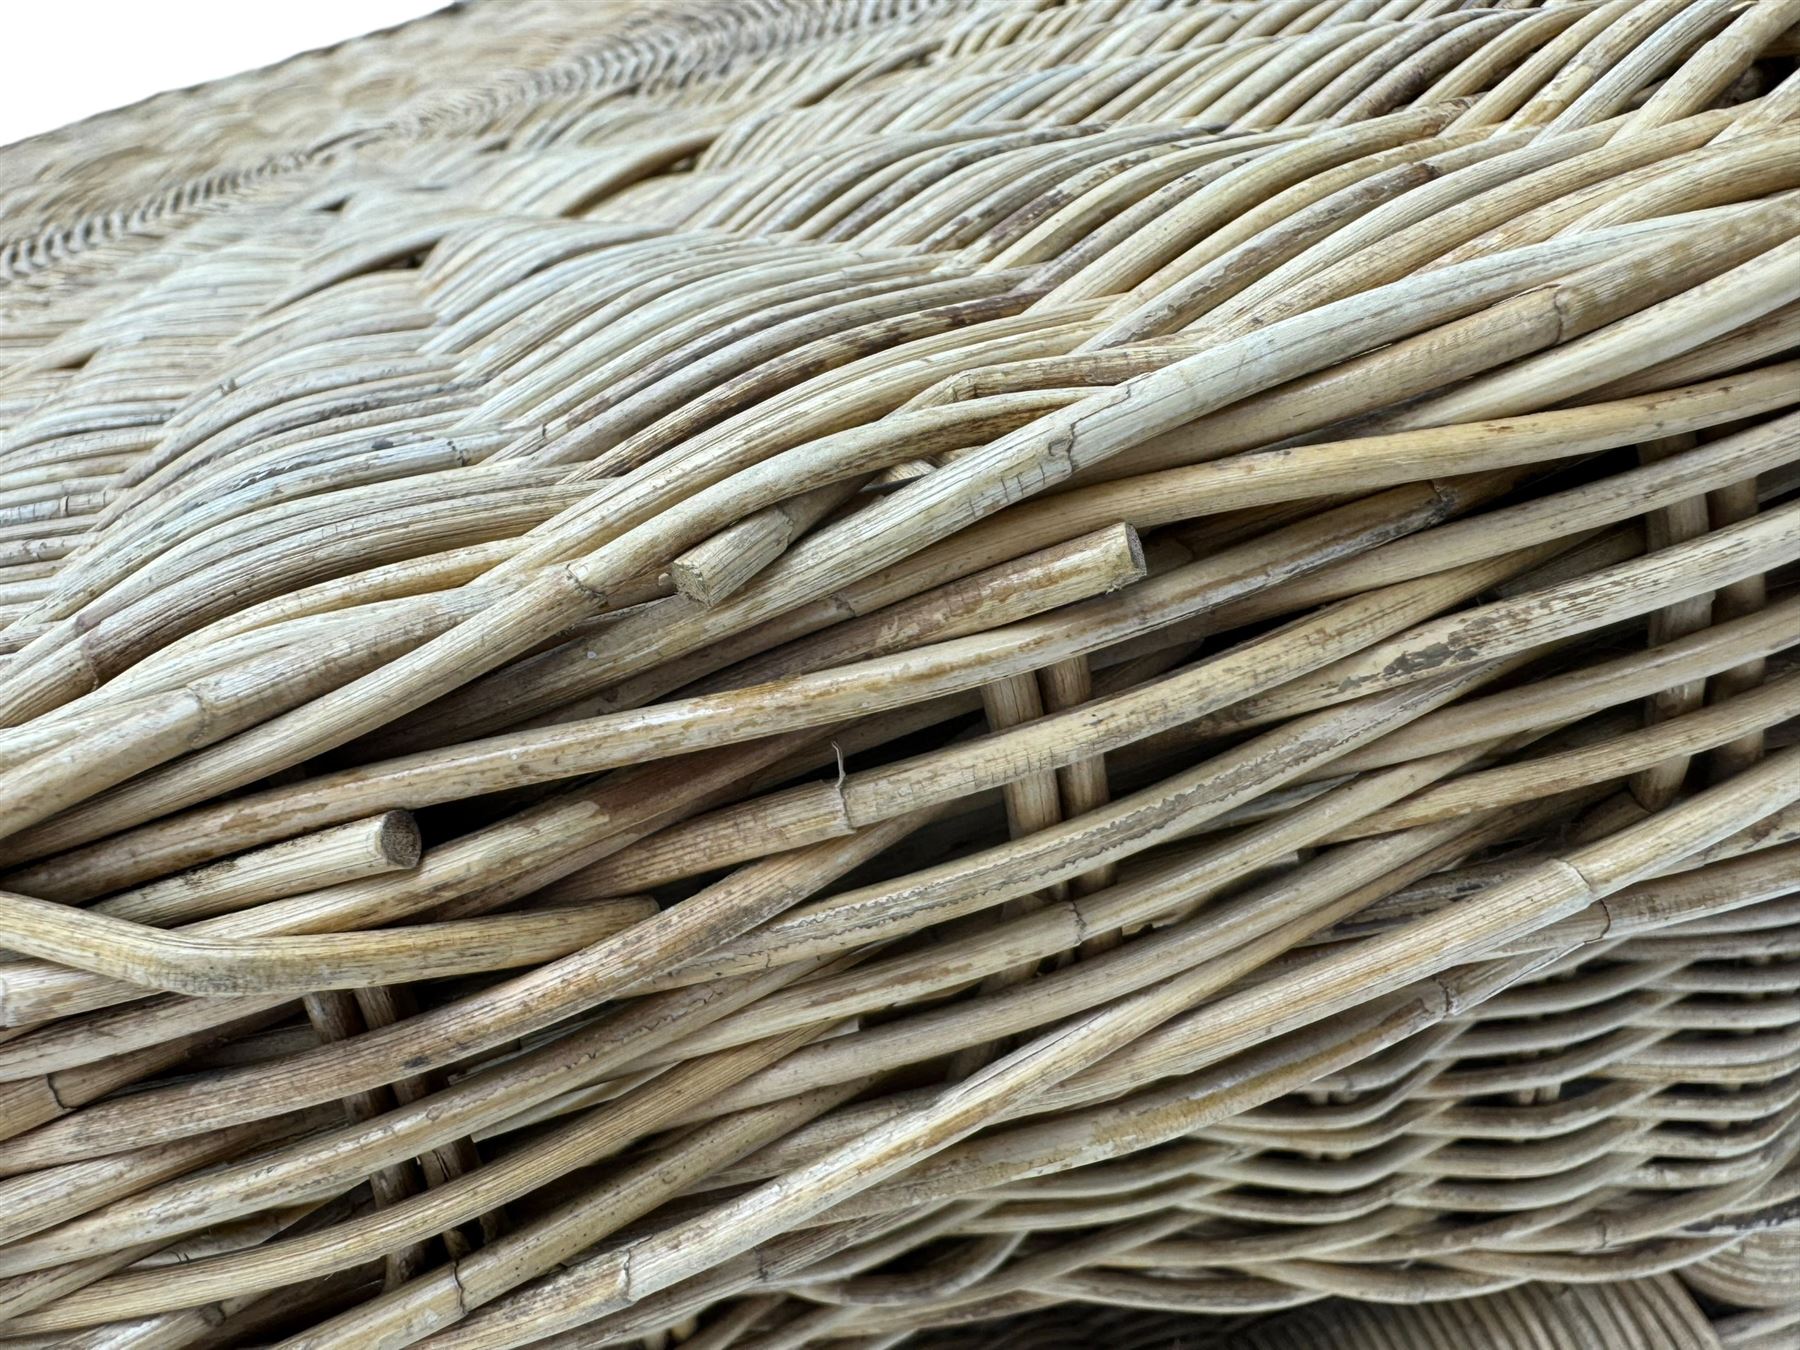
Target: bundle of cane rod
[[776, 673]]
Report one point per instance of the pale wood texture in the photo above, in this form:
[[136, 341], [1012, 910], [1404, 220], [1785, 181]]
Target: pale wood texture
[[785, 673]]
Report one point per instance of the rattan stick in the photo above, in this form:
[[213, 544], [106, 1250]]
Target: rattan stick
[[361, 848]]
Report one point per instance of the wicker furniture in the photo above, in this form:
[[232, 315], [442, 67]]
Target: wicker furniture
[[781, 672]]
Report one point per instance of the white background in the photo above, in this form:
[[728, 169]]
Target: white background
[[61, 60]]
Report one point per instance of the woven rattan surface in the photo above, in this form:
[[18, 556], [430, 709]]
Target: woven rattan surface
[[782, 672], [1646, 1312]]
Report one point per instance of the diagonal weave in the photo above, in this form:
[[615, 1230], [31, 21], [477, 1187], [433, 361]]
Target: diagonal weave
[[797, 672]]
